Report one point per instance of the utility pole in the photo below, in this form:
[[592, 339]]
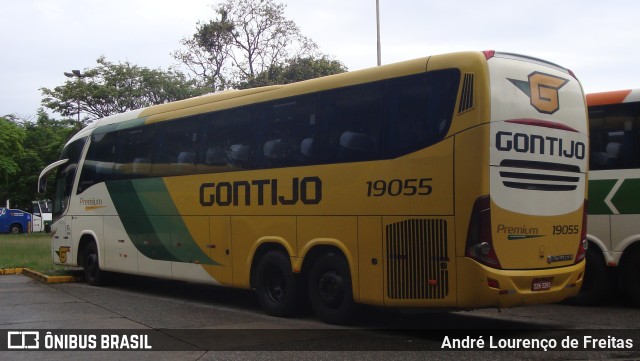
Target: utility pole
[[378, 28]]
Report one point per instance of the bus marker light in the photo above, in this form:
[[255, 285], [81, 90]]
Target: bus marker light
[[493, 283]]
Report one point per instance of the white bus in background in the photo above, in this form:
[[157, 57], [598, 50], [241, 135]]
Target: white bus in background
[[613, 256], [42, 216]]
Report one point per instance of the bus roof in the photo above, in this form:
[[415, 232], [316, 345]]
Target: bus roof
[[613, 97]]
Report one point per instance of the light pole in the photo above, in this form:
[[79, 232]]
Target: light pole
[[378, 28], [79, 75]]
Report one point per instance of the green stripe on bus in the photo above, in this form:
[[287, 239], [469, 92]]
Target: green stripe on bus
[[171, 230], [626, 200], [150, 219], [598, 191], [627, 197], [136, 222]]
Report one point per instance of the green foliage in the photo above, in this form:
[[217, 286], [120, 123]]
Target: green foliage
[[295, 70], [35, 145], [11, 138], [112, 88]]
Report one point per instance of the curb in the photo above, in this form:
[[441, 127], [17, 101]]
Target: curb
[[39, 276]]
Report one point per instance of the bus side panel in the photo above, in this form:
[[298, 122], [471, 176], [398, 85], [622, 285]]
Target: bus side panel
[[120, 254], [370, 271], [220, 249], [189, 244]]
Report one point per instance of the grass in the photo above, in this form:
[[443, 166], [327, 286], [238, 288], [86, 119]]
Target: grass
[[31, 251]]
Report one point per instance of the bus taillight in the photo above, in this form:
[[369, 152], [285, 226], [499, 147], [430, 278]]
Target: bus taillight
[[584, 244], [479, 236], [488, 54]]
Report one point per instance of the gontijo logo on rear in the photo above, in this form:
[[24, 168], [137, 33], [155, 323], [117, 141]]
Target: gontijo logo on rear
[[542, 90]]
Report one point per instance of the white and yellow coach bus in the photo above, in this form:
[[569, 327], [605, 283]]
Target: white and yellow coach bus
[[614, 197], [452, 181]]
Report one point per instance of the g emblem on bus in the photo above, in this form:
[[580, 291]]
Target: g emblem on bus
[[542, 90], [62, 253]]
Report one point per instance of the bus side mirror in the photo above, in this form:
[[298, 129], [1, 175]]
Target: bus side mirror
[[42, 185], [42, 179]]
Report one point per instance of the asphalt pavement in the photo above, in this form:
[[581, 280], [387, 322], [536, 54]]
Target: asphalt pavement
[[166, 320]]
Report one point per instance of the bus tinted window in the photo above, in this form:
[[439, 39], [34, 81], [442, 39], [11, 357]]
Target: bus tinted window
[[353, 117], [227, 140], [615, 136], [290, 133], [99, 164], [420, 108], [134, 153], [175, 148]]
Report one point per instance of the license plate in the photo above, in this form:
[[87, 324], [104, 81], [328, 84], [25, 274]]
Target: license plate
[[541, 284]]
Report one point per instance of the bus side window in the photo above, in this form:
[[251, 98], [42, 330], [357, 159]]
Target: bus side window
[[175, 147], [290, 124], [99, 163], [226, 140], [134, 151], [614, 137], [420, 108], [354, 117]]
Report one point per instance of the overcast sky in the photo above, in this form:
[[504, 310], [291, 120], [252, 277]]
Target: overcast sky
[[41, 39]]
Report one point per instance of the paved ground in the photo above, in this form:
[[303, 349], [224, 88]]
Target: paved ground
[[187, 320]]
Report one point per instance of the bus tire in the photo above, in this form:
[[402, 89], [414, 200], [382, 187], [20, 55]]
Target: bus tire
[[330, 290], [596, 285], [91, 264], [276, 285], [15, 228], [630, 273]]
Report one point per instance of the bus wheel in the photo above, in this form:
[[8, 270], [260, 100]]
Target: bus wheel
[[275, 285], [330, 292], [596, 285], [16, 228], [92, 272], [631, 277]]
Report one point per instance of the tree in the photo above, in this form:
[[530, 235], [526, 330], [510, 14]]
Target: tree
[[11, 138], [32, 146], [295, 70], [115, 88], [247, 38]]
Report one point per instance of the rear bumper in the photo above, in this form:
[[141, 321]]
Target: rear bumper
[[515, 286]]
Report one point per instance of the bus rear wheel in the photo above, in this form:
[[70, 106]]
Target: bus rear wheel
[[330, 291], [92, 272], [276, 285]]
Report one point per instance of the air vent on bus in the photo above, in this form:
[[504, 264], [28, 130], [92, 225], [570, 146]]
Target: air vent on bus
[[540, 176], [466, 98], [417, 259]]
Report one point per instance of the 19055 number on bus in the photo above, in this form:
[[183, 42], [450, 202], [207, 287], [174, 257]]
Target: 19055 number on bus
[[399, 187]]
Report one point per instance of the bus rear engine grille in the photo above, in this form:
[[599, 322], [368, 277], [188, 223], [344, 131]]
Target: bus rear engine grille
[[417, 259], [539, 176]]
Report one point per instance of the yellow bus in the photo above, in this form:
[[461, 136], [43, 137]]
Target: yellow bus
[[613, 257], [451, 181]]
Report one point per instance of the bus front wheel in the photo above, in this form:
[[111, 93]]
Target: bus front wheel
[[330, 292], [92, 272], [276, 285]]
